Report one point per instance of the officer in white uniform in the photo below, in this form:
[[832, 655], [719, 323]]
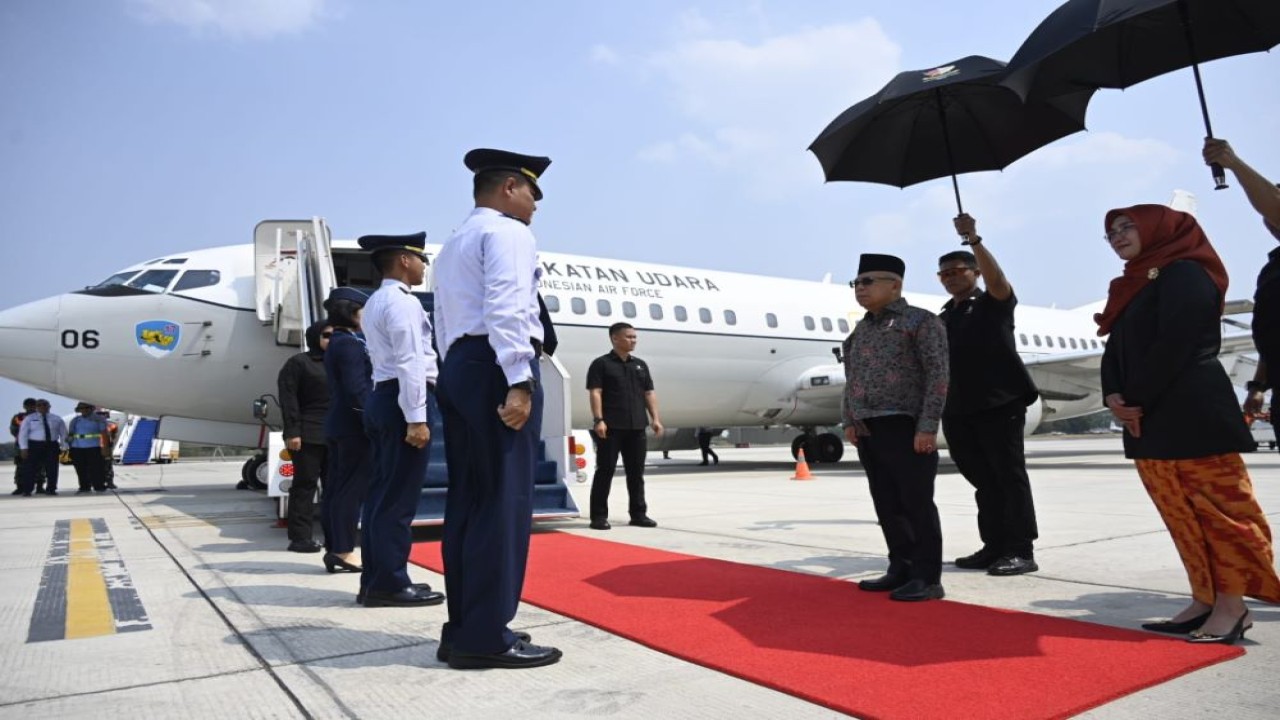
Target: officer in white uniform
[[490, 336], [398, 335]]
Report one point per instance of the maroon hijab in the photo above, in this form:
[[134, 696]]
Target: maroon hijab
[[1166, 235]]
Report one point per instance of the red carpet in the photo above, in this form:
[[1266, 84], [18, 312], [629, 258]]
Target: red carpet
[[828, 642]]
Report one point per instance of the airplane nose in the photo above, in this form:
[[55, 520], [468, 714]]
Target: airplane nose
[[28, 339]]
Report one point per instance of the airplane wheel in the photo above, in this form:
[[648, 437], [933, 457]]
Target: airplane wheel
[[810, 448], [830, 448], [253, 475]]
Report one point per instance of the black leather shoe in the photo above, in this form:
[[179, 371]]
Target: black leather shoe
[[518, 656], [51, 492], [1177, 628], [884, 583], [980, 560], [1013, 565], [111, 486], [446, 649], [1237, 633], [412, 596], [600, 525], [18, 492], [335, 564], [643, 521], [84, 492], [305, 546], [917, 590]]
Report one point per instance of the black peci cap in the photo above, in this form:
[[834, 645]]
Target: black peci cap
[[872, 262], [415, 243], [530, 166]]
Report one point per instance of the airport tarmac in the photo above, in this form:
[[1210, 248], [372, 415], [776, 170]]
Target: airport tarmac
[[235, 627]]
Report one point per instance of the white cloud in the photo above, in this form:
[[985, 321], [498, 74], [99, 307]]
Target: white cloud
[[253, 19], [754, 107]]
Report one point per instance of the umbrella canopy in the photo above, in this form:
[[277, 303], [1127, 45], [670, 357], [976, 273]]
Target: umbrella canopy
[[1118, 43], [950, 119]]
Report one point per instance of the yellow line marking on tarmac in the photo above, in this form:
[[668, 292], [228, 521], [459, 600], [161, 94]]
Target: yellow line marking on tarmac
[[88, 610]]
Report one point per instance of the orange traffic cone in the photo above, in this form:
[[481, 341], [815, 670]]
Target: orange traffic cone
[[802, 468]]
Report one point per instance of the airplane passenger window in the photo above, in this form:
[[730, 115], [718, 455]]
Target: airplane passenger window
[[704, 315], [681, 314], [629, 308], [655, 311], [578, 305], [771, 320], [809, 324], [1093, 344], [1073, 343], [604, 308], [117, 279], [843, 325], [1037, 339], [1022, 338], [730, 317], [826, 324], [553, 303], [193, 279], [1061, 343], [1048, 340], [153, 280]]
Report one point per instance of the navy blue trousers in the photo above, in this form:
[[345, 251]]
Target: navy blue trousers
[[40, 456], [489, 510], [399, 470], [345, 487]]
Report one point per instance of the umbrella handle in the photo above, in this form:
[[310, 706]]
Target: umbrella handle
[[1219, 176], [946, 140]]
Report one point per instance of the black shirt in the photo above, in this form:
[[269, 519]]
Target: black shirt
[[1266, 316], [986, 371], [623, 384]]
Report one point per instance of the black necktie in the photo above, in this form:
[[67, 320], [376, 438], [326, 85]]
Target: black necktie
[[549, 341], [44, 420]]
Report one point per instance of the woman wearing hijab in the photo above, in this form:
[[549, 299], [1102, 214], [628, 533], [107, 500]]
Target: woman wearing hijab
[[350, 463], [304, 398], [1182, 427]]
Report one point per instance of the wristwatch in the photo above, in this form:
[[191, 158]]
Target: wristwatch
[[1255, 386], [528, 386], [596, 421]]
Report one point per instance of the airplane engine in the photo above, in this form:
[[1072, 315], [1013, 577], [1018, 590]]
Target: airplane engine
[[1035, 413]]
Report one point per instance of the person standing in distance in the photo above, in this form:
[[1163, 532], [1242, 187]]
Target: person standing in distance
[[40, 438], [987, 405], [623, 403], [28, 407], [85, 434], [896, 375], [304, 400], [398, 337], [1264, 196], [490, 336], [346, 364]]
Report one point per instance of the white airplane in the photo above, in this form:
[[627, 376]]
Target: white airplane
[[195, 338]]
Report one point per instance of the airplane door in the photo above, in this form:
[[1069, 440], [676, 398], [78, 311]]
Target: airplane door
[[293, 274]]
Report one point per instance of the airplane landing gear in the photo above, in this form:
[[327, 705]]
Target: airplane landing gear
[[253, 474], [824, 448]]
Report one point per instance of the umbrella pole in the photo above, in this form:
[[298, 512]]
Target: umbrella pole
[[1219, 176], [951, 163]]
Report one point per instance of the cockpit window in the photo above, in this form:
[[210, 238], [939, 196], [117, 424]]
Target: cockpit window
[[117, 279], [153, 280], [193, 279], [175, 261]]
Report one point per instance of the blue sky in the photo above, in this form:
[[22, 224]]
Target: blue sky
[[134, 128]]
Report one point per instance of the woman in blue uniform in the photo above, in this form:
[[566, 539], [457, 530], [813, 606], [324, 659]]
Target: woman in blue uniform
[[350, 374]]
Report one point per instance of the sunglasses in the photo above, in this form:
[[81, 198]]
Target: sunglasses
[[1113, 234], [326, 334], [867, 281]]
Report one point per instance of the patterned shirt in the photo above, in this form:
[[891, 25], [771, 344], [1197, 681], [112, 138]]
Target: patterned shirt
[[895, 363]]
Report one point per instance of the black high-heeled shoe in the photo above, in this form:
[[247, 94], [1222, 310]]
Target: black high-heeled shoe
[[335, 564], [1177, 628], [1237, 633]]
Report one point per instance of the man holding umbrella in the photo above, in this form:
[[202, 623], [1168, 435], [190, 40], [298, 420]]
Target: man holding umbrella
[[1265, 198], [987, 401]]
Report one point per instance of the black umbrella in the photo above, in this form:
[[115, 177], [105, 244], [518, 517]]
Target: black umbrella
[[951, 119], [1118, 43]]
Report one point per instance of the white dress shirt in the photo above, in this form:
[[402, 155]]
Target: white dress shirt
[[486, 283], [397, 332], [32, 429]]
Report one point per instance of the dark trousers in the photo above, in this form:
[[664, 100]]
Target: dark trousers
[[41, 457], [89, 468], [489, 510], [308, 471], [345, 487], [632, 446], [901, 482], [399, 470], [987, 449], [704, 444]]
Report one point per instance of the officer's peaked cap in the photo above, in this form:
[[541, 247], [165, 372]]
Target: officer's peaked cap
[[82, 404], [345, 293], [872, 262], [415, 243], [530, 166]]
